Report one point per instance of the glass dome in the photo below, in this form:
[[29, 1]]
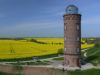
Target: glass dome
[[72, 9]]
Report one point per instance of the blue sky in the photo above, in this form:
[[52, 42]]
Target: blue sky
[[44, 18]]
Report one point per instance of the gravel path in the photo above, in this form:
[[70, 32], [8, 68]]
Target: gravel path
[[85, 53], [45, 59]]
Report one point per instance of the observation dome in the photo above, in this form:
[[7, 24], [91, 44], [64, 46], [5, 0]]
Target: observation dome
[[72, 9]]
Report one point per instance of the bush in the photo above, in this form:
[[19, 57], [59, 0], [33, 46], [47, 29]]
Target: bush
[[60, 51], [97, 45]]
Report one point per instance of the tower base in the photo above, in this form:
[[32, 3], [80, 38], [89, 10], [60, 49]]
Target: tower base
[[72, 61]]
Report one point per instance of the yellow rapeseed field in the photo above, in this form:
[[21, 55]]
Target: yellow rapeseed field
[[24, 48]]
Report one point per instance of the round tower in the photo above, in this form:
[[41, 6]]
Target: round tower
[[72, 37]]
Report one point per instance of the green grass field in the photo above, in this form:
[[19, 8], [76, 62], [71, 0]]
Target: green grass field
[[26, 48], [85, 72], [1, 73], [93, 55]]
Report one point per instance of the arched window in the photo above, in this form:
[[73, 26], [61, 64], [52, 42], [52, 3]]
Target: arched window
[[77, 38], [65, 27], [65, 38], [67, 18], [77, 50], [77, 27], [65, 50]]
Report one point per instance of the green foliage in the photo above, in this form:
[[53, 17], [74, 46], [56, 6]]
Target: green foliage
[[2, 73], [58, 58], [37, 63], [97, 45], [85, 72], [39, 42], [60, 51], [18, 66], [93, 55]]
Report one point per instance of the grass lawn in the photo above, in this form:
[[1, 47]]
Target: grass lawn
[[93, 55], [32, 63], [85, 72], [1, 73], [61, 58]]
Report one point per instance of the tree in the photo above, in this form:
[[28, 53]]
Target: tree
[[97, 45], [18, 67], [60, 51]]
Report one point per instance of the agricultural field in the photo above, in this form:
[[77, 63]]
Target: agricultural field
[[29, 47]]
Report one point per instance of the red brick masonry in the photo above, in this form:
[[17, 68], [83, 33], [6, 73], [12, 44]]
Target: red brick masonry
[[72, 40], [28, 70]]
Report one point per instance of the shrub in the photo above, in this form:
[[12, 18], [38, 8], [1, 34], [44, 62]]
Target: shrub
[[60, 51]]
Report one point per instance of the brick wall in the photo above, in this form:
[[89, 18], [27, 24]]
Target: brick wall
[[26, 70]]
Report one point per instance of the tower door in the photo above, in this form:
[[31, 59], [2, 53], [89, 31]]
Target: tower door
[[78, 62]]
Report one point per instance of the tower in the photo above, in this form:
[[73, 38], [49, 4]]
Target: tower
[[72, 37]]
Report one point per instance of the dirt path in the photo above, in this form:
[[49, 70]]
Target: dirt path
[[85, 53]]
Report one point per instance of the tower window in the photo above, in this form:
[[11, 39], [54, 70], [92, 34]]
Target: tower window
[[78, 39], [65, 38], [65, 23], [77, 50], [67, 18], [65, 27], [65, 49], [77, 27], [78, 23]]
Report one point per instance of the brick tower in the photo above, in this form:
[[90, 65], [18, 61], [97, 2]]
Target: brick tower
[[72, 37]]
